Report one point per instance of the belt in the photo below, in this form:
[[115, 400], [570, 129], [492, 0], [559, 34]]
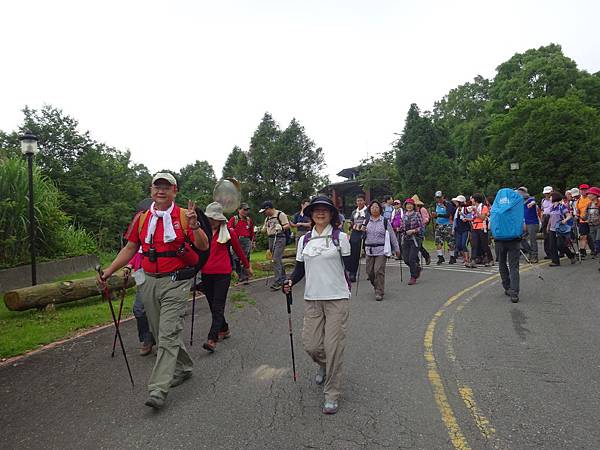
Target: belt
[[276, 235], [374, 245], [159, 275]]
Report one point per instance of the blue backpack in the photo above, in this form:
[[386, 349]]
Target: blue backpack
[[506, 217]]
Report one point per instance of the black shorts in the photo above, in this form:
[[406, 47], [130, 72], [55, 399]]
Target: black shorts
[[584, 229]]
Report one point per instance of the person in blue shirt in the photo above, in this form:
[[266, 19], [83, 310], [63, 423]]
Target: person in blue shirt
[[388, 207], [300, 222], [443, 215], [532, 224]]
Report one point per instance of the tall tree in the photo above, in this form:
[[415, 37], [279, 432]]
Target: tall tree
[[236, 165], [196, 182]]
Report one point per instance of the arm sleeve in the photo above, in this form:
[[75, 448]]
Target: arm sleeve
[[298, 272]]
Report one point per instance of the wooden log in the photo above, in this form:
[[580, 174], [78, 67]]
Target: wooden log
[[62, 292], [268, 265]]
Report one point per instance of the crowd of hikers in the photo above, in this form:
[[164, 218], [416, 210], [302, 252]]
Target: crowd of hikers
[[170, 248]]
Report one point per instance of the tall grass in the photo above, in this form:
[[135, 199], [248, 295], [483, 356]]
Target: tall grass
[[54, 236]]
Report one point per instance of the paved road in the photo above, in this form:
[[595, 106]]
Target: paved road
[[448, 363]]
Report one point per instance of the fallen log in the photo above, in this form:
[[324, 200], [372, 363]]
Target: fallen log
[[62, 292], [268, 265]]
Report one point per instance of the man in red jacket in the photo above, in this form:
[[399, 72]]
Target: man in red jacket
[[165, 238], [244, 228]]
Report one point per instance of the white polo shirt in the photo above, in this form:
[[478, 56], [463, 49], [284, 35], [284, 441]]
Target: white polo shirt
[[323, 266]]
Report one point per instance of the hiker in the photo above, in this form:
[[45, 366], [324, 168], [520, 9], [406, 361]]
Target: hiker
[[479, 235], [420, 207], [300, 222], [342, 218], [508, 226], [546, 206], [243, 226], [166, 233], [531, 213], [558, 234], [216, 273], [444, 211], [584, 228], [462, 227], [593, 217], [380, 242], [396, 219], [388, 207], [412, 238], [357, 219], [276, 224], [322, 255]]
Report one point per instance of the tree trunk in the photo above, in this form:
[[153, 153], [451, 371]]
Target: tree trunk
[[62, 292]]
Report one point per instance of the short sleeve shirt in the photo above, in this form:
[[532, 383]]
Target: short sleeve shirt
[[325, 279]]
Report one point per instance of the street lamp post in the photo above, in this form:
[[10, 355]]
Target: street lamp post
[[29, 149]]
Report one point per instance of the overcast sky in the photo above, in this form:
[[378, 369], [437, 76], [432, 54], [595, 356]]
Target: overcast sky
[[175, 81]]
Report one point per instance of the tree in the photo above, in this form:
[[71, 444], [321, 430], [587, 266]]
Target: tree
[[196, 182], [236, 165], [556, 142]]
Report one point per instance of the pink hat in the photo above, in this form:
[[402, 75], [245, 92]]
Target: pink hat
[[594, 191], [409, 200]]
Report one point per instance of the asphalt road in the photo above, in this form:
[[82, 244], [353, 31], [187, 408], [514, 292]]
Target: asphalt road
[[431, 367]]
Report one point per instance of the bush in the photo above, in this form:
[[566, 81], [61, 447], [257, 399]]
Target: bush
[[77, 241]]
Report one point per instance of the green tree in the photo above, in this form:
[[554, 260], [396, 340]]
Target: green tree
[[556, 141], [236, 165], [196, 182]]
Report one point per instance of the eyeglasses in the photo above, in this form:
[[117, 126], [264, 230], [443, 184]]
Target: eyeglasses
[[162, 187]]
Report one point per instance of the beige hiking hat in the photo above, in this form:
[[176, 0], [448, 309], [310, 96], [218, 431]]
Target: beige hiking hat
[[164, 176], [417, 200], [215, 211]]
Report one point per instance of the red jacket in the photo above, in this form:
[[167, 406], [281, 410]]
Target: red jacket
[[243, 227], [162, 264], [219, 261]]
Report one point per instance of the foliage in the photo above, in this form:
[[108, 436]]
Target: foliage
[[282, 166], [196, 182]]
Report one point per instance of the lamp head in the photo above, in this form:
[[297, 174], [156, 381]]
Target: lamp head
[[29, 143]]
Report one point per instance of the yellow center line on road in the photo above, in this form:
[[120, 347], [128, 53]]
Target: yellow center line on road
[[483, 424]]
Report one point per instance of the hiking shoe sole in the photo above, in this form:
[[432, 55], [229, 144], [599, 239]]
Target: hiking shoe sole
[[180, 379]]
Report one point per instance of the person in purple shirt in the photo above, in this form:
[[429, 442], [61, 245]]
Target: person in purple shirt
[[558, 214], [532, 224], [380, 242], [546, 205]]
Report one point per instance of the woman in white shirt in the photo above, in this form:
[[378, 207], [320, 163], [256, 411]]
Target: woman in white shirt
[[322, 256]]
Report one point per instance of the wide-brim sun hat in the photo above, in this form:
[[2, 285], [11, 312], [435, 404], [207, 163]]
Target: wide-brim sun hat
[[459, 198], [417, 200], [575, 192], [547, 190], [321, 200], [214, 211]]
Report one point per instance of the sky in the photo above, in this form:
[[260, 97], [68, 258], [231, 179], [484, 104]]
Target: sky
[[181, 80]]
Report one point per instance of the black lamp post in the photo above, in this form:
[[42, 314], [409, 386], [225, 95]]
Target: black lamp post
[[29, 148]]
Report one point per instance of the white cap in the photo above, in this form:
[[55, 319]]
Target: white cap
[[547, 190], [165, 176], [438, 194], [459, 198], [575, 192]]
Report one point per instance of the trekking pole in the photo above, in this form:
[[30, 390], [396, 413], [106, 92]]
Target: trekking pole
[[289, 302], [532, 265], [193, 311], [360, 249], [125, 281], [106, 295]]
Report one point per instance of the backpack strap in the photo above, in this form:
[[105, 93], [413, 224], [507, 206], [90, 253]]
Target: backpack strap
[[142, 220], [306, 238]]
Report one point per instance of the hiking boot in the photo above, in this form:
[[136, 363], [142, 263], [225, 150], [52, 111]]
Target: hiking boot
[[210, 346], [412, 281], [330, 407], [181, 378], [146, 349], [440, 260], [452, 260], [428, 260], [224, 335], [155, 400], [514, 297], [378, 297], [320, 376]]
